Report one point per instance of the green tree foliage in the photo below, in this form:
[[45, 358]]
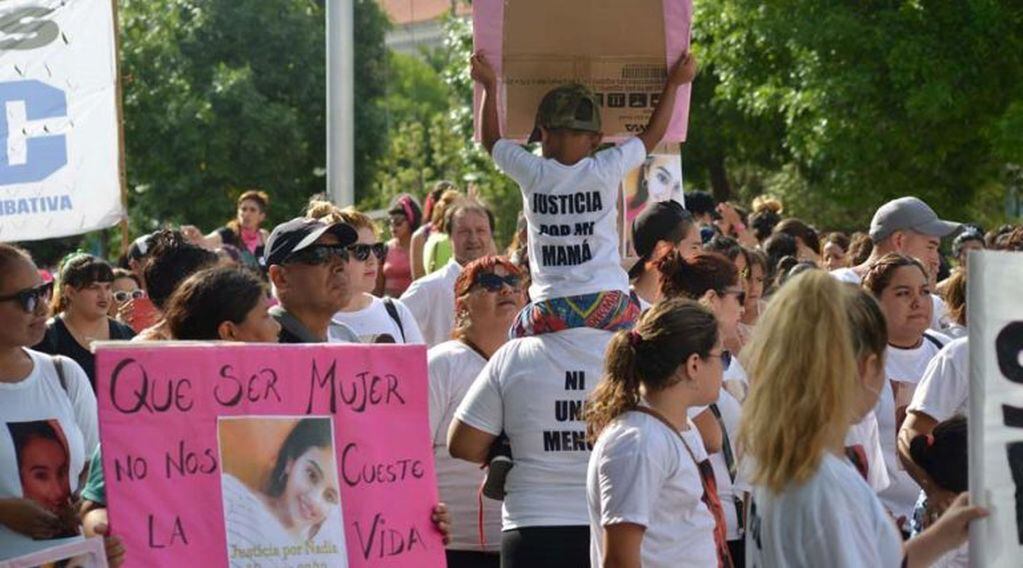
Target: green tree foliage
[[224, 95], [875, 99], [432, 136]]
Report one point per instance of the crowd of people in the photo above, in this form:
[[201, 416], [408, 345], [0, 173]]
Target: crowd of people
[[738, 389]]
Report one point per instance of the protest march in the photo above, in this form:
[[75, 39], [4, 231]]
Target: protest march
[[619, 365]]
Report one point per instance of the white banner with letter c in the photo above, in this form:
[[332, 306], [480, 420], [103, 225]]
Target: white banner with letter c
[[59, 129]]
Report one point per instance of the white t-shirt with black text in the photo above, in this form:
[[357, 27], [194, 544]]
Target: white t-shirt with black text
[[374, 320], [571, 212], [640, 473], [944, 390], [833, 519], [453, 366], [533, 389], [39, 402]]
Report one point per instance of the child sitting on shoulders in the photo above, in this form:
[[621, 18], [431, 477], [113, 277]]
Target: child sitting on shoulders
[[569, 202]]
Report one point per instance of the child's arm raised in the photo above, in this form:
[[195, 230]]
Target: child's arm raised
[[490, 128], [682, 73]]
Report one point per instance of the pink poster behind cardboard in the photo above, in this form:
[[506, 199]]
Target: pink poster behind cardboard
[[539, 67], [247, 455]]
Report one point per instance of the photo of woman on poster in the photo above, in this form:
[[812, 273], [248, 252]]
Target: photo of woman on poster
[[658, 179], [43, 465], [293, 517]]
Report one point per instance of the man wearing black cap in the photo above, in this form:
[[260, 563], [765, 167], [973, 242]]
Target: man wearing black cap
[[307, 261], [661, 227]]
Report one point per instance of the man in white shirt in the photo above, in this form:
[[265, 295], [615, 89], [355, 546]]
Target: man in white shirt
[[907, 226], [431, 299]]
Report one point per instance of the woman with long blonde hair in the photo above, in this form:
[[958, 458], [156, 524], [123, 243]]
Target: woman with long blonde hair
[[818, 357]]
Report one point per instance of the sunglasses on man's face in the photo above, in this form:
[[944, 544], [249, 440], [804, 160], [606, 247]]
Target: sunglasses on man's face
[[30, 298], [318, 254], [361, 252], [493, 283], [122, 296]]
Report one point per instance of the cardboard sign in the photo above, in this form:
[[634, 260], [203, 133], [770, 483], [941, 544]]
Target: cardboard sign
[[621, 50], [59, 133], [268, 455], [996, 407], [88, 553]]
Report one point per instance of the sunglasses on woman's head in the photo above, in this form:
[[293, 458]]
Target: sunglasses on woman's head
[[362, 251], [30, 298], [493, 283], [122, 296], [318, 254]]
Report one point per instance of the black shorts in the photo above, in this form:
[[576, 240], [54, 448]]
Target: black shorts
[[546, 547], [472, 559]]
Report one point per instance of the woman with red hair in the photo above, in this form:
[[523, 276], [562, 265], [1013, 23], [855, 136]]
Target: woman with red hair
[[488, 295]]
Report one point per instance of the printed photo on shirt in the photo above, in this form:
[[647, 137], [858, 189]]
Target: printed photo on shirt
[[282, 502], [43, 466], [88, 553]]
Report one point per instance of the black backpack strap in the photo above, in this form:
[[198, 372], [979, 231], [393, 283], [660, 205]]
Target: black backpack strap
[[291, 323], [937, 342], [58, 364], [392, 311]]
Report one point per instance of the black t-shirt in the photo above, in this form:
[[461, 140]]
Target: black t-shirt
[[59, 341]]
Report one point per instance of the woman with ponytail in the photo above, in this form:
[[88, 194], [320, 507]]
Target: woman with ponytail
[[650, 487], [713, 280], [817, 356]]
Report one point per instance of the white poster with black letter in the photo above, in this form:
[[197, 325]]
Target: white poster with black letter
[[59, 130], [996, 407]]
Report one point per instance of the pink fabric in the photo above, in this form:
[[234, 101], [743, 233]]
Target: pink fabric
[[251, 239], [397, 269]]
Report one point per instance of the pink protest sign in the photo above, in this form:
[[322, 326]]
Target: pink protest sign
[[259, 455], [621, 50]]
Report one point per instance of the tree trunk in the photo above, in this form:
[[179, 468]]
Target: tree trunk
[[719, 185]]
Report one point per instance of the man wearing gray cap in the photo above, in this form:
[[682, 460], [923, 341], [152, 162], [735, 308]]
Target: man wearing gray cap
[[906, 226]]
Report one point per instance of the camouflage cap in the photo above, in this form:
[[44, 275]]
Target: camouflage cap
[[568, 106]]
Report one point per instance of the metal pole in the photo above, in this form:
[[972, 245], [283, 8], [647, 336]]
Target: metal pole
[[340, 102]]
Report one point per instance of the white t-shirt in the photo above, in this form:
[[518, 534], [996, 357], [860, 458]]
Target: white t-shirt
[[865, 435], [571, 212], [944, 390], [847, 275], [533, 389], [833, 519], [905, 367], [431, 299], [735, 380], [374, 320], [731, 412], [40, 398], [453, 367], [641, 473]]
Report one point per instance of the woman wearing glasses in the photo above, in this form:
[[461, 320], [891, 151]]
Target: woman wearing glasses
[[404, 217], [80, 309], [370, 317], [40, 394], [488, 295], [713, 280], [125, 287]]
